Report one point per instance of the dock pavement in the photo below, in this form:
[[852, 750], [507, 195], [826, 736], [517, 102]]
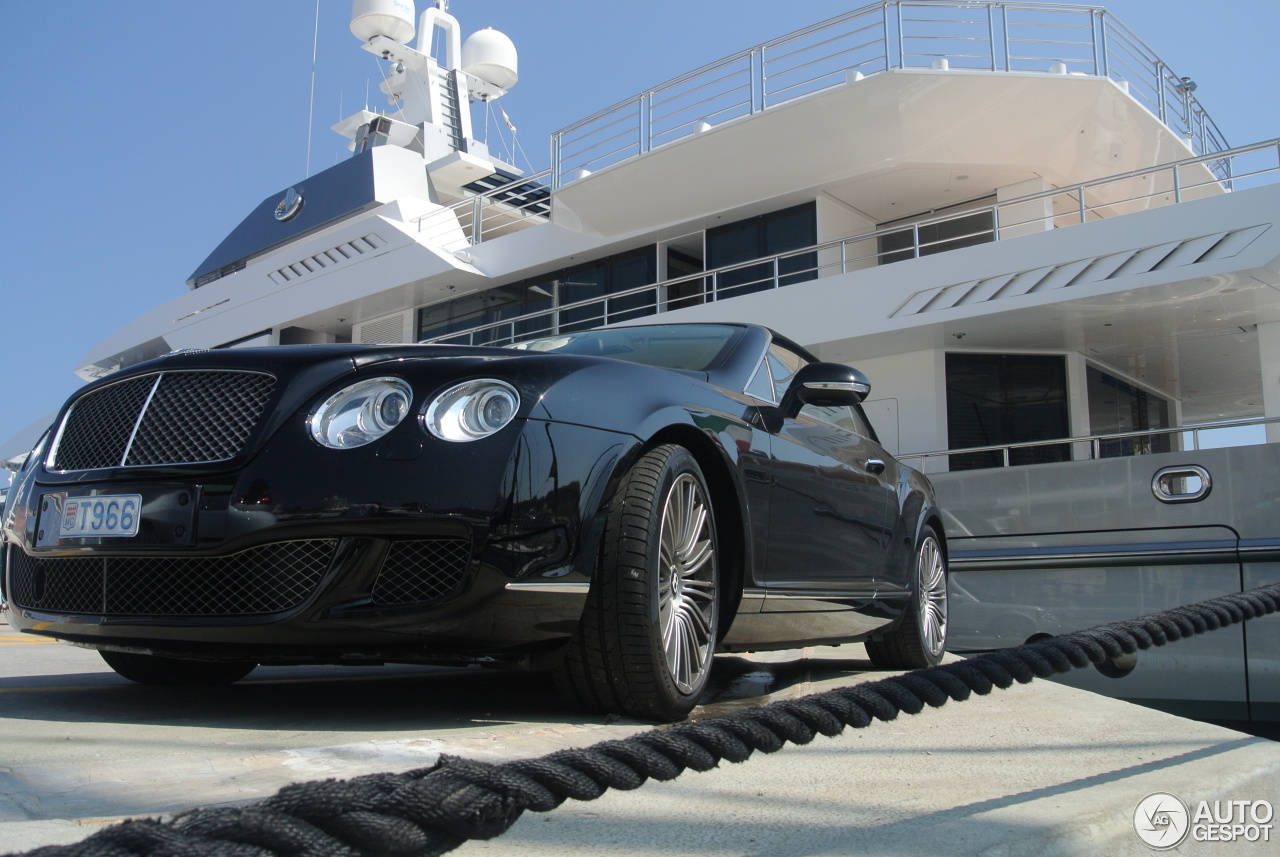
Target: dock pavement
[[1039, 769]]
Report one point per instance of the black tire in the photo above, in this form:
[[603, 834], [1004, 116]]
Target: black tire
[[152, 669], [919, 639], [620, 660]]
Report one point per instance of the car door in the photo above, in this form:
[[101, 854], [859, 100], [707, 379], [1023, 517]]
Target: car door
[[832, 492]]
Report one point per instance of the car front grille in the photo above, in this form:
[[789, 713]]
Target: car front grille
[[188, 417], [420, 570], [266, 579]]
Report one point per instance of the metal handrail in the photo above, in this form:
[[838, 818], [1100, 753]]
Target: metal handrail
[[893, 35], [1085, 201], [1094, 441], [872, 39]]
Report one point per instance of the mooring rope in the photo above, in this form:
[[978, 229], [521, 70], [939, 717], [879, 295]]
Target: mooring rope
[[433, 810]]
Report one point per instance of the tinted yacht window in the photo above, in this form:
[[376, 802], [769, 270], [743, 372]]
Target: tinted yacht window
[[1006, 398], [766, 235], [1116, 406]]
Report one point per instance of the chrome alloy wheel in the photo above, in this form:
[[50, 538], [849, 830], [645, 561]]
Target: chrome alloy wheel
[[932, 602], [687, 582]]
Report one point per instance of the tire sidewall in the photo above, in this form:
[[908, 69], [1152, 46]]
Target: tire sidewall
[[680, 462]]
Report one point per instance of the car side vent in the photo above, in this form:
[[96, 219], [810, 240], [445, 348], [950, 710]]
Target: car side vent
[[1161, 257], [326, 259]]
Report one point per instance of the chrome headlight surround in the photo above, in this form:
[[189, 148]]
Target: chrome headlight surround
[[360, 413], [471, 410]]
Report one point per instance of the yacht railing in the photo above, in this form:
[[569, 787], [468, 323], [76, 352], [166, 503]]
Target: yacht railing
[[897, 34], [492, 213], [1086, 447], [1138, 190]]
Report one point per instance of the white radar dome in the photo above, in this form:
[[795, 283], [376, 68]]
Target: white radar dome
[[491, 56], [390, 18]]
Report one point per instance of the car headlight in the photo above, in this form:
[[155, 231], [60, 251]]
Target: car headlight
[[472, 410], [361, 413]]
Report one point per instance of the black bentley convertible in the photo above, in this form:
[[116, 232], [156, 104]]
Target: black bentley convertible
[[614, 506]]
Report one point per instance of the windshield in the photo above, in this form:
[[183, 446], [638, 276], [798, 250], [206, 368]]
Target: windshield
[[697, 347]]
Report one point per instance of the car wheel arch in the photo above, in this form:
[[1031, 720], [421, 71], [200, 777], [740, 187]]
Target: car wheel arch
[[726, 504], [931, 518]]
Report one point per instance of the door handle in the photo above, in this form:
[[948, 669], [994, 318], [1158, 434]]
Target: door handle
[[1186, 484], [875, 465]]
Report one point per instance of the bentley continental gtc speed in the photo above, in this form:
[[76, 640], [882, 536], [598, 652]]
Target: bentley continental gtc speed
[[611, 506]]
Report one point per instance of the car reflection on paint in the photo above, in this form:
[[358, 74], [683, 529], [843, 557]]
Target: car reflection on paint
[[611, 506]]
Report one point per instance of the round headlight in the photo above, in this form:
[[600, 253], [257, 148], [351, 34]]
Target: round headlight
[[472, 410], [361, 413]]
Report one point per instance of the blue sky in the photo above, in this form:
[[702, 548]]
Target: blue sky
[[141, 132]]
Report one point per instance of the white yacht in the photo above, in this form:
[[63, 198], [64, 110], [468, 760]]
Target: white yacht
[[1015, 218]]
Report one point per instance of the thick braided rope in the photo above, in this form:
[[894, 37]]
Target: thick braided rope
[[433, 810]]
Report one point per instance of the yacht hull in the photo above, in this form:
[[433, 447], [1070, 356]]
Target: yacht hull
[[1054, 548]]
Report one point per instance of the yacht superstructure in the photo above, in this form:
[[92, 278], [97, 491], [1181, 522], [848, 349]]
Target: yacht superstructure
[[1014, 217]]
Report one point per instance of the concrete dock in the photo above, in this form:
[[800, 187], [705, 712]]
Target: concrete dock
[[1040, 769]]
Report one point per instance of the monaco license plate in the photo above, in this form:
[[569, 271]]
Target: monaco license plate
[[107, 515]]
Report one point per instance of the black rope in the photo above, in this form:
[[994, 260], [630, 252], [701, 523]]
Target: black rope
[[433, 810]]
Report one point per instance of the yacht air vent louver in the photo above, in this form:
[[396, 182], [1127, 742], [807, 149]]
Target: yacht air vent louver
[[326, 259], [1127, 263], [191, 417], [384, 331]]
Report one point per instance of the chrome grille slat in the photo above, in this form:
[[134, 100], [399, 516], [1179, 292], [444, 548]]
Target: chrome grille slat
[[182, 417]]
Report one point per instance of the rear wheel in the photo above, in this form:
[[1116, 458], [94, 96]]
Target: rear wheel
[[920, 638], [153, 669], [646, 641]]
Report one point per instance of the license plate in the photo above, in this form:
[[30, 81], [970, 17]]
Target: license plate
[[107, 515]]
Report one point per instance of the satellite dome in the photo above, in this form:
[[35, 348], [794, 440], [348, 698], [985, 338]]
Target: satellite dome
[[490, 56], [391, 18]]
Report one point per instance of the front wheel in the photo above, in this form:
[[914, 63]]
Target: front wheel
[[920, 638], [646, 641], [153, 669]]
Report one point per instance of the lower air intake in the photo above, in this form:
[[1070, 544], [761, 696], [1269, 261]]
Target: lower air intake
[[266, 579], [421, 570]]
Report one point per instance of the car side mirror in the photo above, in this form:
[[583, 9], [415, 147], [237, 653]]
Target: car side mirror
[[825, 385]]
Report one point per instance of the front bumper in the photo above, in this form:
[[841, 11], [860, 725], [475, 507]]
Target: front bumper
[[312, 555]]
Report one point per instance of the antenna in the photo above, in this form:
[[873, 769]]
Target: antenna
[[311, 108]]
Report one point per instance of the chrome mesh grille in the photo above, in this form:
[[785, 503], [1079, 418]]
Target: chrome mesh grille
[[97, 430], [266, 579], [421, 570], [168, 418]]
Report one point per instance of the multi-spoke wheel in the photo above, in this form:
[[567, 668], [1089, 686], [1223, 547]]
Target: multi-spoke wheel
[[920, 637], [152, 669], [687, 583], [645, 644]]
